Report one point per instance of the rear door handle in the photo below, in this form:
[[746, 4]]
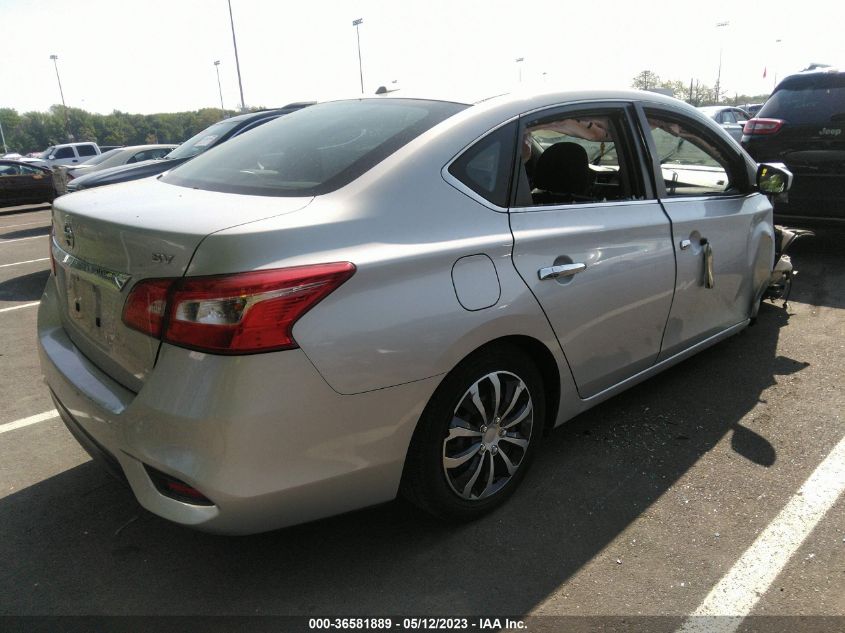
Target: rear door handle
[[563, 270]]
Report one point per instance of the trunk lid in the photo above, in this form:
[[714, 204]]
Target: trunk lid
[[108, 239]]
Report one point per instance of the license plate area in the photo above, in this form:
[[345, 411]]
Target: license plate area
[[86, 307], [93, 296]]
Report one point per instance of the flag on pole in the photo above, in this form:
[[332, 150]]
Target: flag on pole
[[764, 72]]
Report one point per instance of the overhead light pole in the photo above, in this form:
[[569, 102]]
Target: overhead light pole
[[357, 23], [237, 61], [61, 93], [217, 68], [519, 61], [777, 62], [3, 138], [719, 73]]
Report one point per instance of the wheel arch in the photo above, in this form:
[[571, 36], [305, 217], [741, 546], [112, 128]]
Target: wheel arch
[[542, 357]]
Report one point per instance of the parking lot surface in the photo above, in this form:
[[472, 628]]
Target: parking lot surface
[[639, 507]]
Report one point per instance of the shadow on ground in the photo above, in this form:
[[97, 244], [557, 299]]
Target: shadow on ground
[[81, 544], [24, 288], [816, 258], [31, 232]]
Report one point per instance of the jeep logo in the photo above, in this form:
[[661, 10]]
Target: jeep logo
[[829, 132]]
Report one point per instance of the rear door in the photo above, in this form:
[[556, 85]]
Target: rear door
[[592, 242], [716, 219]]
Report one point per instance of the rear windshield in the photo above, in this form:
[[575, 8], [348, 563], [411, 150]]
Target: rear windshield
[[314, 150], [96, 160], [198, 143], [809, 99]]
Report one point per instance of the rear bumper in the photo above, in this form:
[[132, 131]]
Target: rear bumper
[[263, 437]]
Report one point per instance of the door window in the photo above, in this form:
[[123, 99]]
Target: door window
[[574, 158], [691, 160], [65, 152]]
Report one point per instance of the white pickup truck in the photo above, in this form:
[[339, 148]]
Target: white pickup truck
[[66, 154]]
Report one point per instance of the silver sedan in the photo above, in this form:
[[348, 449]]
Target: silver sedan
[[391, 296]]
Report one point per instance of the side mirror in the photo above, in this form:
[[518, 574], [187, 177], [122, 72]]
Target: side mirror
[[773, 178], [51, 157]]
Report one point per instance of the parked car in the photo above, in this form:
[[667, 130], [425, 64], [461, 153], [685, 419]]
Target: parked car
[[751, 108], [730, 118], [66, 154], [23, 183], [803, 125], [208, 138], [121, 156], [388, 295]]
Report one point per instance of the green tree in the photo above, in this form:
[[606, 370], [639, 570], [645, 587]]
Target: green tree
[[645, 80]]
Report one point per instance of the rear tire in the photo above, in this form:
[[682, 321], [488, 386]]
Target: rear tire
[[477, 435]]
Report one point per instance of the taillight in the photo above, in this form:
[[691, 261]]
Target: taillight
[[232, 314], [762, 126], [146, 305]]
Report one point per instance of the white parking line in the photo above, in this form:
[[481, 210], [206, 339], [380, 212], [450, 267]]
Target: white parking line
[[21, 239], [29, 261], [33, 419], [20, 307], [738, 591]]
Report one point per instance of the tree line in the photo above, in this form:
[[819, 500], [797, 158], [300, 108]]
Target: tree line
[[695, 93], [35, 131]]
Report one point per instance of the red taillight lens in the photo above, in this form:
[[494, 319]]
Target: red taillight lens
[[762, 126], [232, 314], [146, 306]]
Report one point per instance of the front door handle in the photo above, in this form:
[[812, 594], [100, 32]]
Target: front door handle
[[709, 279], [563, 270]]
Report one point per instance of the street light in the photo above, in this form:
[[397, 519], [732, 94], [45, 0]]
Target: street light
[[61, 92], [237, 62], [356, 24], [519, 61], [719, 75], [3, 138], [217, 68], [777, 62]]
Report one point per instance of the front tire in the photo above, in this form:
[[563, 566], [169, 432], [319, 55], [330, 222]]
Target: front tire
[[477, 436]]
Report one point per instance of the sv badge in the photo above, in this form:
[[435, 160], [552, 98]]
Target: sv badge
[[162, 258]]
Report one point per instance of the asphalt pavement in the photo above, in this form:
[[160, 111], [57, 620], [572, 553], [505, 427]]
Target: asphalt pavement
[[637, 508]]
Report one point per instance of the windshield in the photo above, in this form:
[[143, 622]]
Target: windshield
[[46, 153], [812, 99], [199, 143], [314, 150]]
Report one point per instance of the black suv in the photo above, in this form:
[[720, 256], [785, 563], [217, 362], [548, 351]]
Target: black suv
[[803, 125], [208, 138]]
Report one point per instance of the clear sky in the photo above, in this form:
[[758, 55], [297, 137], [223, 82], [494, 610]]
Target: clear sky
[[157, 55]]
